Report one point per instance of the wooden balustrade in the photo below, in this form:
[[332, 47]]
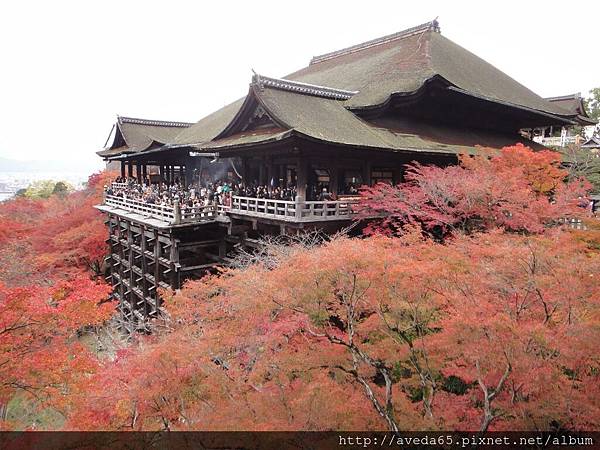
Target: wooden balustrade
[[310, 211], [173, 214], [262, 207]]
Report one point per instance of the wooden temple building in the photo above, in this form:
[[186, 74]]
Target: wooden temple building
[[352, 117], [553, 136]]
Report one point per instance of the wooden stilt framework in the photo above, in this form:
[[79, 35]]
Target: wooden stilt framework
[[142, 259]]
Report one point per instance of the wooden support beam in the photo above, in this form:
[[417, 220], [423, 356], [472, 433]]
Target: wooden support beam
[[174, 259], [157, 256], [301, 178], [198, 267], [144, 246], [222, 248], [130, 256], [122, 256]]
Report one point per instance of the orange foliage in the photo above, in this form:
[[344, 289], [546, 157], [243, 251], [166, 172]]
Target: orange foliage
[[518, 190], [58, 236], [47, 296], [490, 331], [305, 345]]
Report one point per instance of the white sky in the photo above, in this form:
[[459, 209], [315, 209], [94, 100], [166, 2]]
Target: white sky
[[68, 67]]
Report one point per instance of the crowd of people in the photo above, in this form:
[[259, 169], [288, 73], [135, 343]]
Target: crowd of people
[[193, 196]]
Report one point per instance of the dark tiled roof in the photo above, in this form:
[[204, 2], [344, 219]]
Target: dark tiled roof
[[244, 138], [134, 135], [593, 142], [395, 64], [329, 121], [210, 126], [302, 88], [114, 151], [429, 26], [404, 62], [318, 101], [150, 122], [573, 105]]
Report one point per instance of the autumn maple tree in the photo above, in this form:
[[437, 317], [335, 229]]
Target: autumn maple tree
[[517, 190], [489, 332], [48, 296], [468, 307]]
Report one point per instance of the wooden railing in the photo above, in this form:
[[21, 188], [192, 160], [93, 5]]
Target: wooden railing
[[160, 212], [575, 223], [556, 141], [195, 213], [311, 211], [291, 211], [116, 185], [261, 207], [172, 214]]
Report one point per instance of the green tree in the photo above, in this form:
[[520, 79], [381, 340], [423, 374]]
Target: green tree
[[581, 162], [592, 106], [46, 188], [62, 188]]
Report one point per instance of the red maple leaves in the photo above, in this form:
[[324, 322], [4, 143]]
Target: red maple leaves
[[519, 190]]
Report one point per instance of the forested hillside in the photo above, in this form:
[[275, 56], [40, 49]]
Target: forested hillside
[[467, 306]]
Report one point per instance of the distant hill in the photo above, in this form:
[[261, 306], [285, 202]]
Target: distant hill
[[13, 165]]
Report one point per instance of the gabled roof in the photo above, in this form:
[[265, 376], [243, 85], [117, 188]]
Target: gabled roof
[[132, 135], [573, 104], [325, 100], [318, 118], [371, 73], [593, 142], [403, 62]]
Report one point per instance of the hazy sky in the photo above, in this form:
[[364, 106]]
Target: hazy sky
[[67, 68]]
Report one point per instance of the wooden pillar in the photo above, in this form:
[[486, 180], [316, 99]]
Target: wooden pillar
[[270, 173], [301, 185], [111, 245], [138, 172], [222, 248], [261, 173], [172, 176], [174, 260], [333, 179], [122, 301], [157, 256], [132, 295], [244, 171], [122, 169], [144, 172], [130, 169], [144, 267], [281, 176], [301, 177], [366, 173]]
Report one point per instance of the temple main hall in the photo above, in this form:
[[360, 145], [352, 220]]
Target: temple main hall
[[292, 154]]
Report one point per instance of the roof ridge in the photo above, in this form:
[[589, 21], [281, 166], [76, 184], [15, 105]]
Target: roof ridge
[[160, 123], [428, 26], [302, 88], [575, 96]]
